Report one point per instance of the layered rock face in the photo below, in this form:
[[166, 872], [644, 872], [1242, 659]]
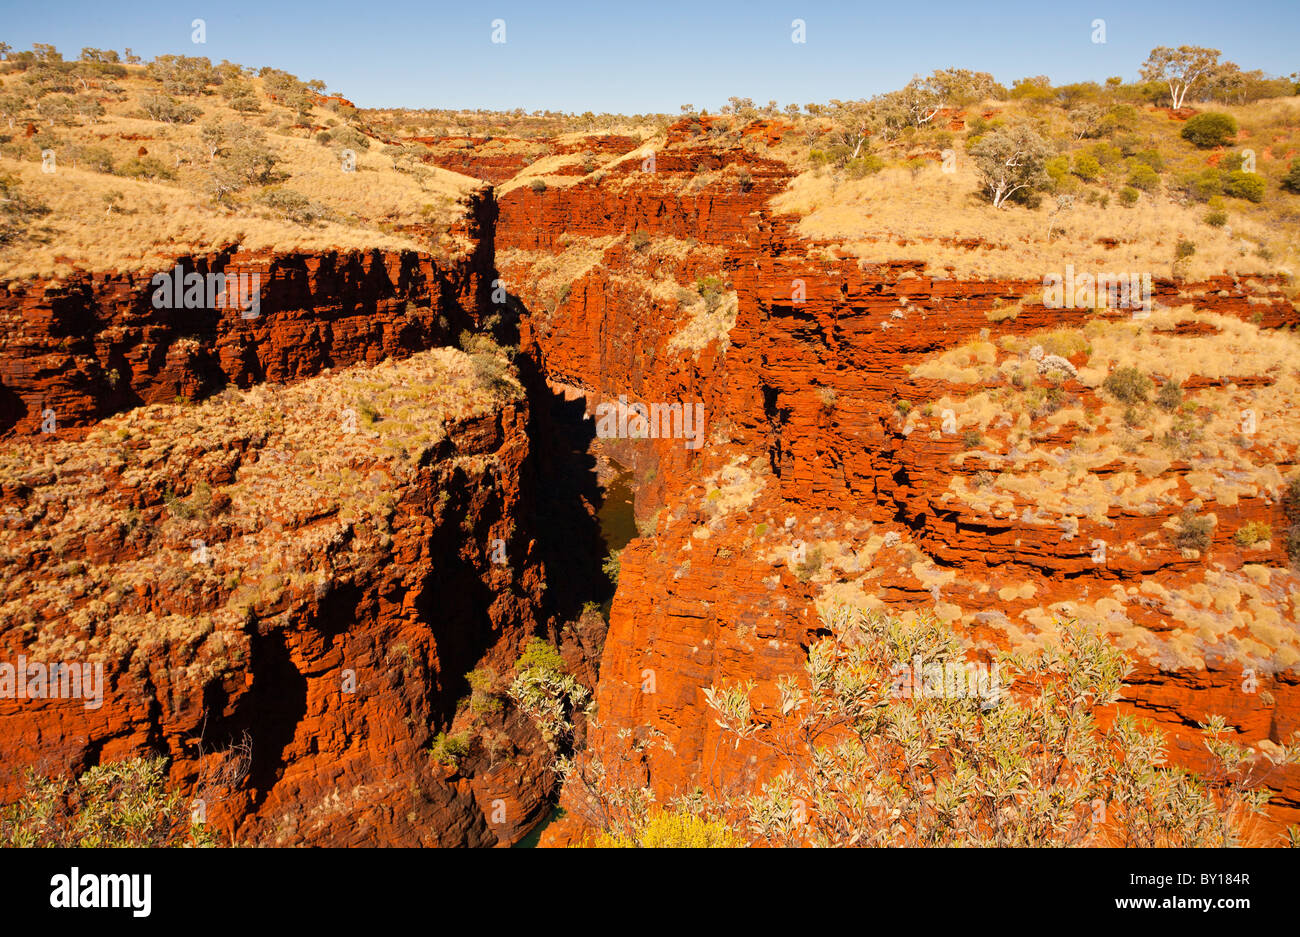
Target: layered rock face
[[284, 598], [848, 459], [100, 343]]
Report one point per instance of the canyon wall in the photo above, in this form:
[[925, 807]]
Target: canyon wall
[[808, 448]]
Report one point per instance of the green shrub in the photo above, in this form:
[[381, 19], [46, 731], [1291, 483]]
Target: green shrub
[[971, 438], [1210, 129], [1203, 185], [1247, 185], [116, 804], [1107, 154], [1183, 249], [611, 566], [1170, 396], [1128, 196], [1232, 162], [537, 185], [449, 749], [1216, 218], [540, 654], [1086, 167], [865, 165], [145, 167], [1141, 176], [1150, 158], [293, 205], [1127, 385], [1058, 171], [1291, 181]]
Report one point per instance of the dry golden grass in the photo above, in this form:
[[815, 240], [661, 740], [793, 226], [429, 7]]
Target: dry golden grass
[[900, 215], [375, 206], [895, 216], [157, 222]]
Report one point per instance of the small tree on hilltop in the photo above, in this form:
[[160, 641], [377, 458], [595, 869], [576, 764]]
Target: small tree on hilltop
[[1010, 162], [1181, 69]]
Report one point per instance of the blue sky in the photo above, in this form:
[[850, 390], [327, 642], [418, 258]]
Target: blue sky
[[637, 56]]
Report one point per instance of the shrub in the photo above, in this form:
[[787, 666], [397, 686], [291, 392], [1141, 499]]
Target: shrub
[[991, 768], [160, 107], [1150, 158], [494, 373], [865, 165], [449, 749], [294, 205], [972, 438], [1193, 533], [1216, 218], [537, 185], [483, 684], [1086, 167], [1291, 510], [1141, 176], [1128, 196], [1210, 129], [145, 167], [1291, 181], [1252, 533], [118, 804], [1127, 385], [545, 692], [611, 567], [1183, 250], [1170, 396], [712, 290], [639, 240], [676, 828], [1203, 185], [1247, 185], [811, 565]]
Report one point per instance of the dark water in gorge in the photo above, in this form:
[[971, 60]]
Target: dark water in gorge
[[617, 521]]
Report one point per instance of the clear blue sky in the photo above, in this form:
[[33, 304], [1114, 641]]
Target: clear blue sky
[[637, 55]]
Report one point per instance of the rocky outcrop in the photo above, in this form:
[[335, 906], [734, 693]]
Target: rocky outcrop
[[286, 605]]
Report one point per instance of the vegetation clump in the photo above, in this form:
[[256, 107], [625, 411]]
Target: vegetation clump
[[1127, 385], [118, 804]]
